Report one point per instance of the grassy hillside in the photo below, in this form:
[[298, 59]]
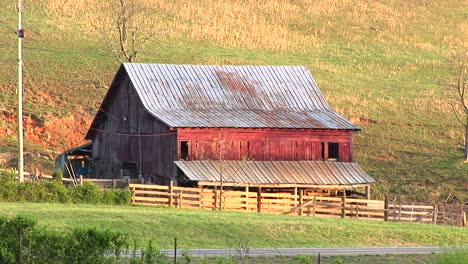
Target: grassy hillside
[[383, 64], [215, 229]]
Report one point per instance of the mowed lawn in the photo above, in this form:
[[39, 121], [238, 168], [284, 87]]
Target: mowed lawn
[[223, 229]]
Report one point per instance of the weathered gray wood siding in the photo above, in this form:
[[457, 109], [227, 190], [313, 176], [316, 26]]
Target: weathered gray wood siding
[[124, 120]]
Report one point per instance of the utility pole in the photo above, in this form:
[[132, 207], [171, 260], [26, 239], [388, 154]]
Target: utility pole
[[20, 36]]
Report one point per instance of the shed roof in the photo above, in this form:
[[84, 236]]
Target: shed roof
[[276, 173], [233, 96]]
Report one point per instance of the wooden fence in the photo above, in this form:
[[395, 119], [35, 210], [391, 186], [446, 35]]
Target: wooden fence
[[300, 204]]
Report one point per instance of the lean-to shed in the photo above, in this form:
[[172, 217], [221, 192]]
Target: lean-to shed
[[160, 119]]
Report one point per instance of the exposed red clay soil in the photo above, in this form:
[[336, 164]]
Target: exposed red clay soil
[[56, 134]]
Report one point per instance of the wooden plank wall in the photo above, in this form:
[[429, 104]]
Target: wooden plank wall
[[257, 144], [133, 135], [301, 204]]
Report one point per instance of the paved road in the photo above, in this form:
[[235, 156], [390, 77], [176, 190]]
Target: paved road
[[255, 252]]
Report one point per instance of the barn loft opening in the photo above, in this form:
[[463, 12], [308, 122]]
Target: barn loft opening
[[329, 151], [333, 151], [184, 150]]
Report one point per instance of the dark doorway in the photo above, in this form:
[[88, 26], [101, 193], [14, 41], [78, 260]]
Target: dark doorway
[[184, 150], [129, 170], [333, 149]]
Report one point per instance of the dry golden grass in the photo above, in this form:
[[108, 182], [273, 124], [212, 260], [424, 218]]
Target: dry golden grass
[[276, 24]]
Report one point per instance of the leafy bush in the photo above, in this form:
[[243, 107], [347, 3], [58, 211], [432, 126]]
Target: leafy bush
[[87, 193], [15, 234], [6, 176], [55, 192], [117, 196], [22, 242]]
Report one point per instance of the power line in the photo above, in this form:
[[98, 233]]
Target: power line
[[9, 50], [62, 51], [7, 94]]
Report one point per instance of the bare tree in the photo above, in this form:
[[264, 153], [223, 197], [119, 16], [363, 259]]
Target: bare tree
[[460, 99], [126, 26], [222, 152]]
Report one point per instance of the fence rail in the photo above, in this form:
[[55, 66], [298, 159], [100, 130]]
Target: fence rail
[[300, 204]]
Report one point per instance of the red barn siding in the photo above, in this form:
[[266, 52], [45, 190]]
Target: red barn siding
[[263, 144]]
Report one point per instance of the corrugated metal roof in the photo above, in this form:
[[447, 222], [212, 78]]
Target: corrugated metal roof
[[233, 96], [276, 172]]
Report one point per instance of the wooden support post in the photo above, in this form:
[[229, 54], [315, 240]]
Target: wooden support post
[[259, 199], [399, 211], [314, 203], [295, 196], [179, 203], [368, 192], [463, 218], [81, 180], [215, 194], [114, 182], [386, 209], [133, 195], [412, 210], [247, 198], [200, 197], [357, 211], [434, 214], [171, 194], [301, 201], [343, 205]]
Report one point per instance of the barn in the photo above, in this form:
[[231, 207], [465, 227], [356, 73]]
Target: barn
[[257, 126]]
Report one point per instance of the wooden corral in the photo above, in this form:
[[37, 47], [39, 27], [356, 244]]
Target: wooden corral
[[305, 203]]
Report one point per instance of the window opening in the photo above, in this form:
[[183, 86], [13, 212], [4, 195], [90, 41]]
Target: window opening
[[184, 150], [333, 149]]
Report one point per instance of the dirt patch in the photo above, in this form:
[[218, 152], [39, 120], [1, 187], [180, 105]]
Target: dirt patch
[[362, 120], [53, 133]]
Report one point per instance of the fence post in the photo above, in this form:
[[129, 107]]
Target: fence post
[[215, 194], [464, 218], [259, 199], [357, 211], [179, 204], [81, 180], [386, 209], [295, 196], [399, 211], [313, 206], [171, 198], [343, 205], [434, 214], [247, 198], [200, 198], [301, 201]]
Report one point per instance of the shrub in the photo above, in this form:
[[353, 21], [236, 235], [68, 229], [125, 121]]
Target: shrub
[[22, 242], [55, 192], [117, 196], [87, 193], [6, 176], [15, 234]]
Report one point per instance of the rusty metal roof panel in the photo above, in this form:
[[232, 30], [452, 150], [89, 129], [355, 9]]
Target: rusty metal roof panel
[[276, 172], [233, 96]]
